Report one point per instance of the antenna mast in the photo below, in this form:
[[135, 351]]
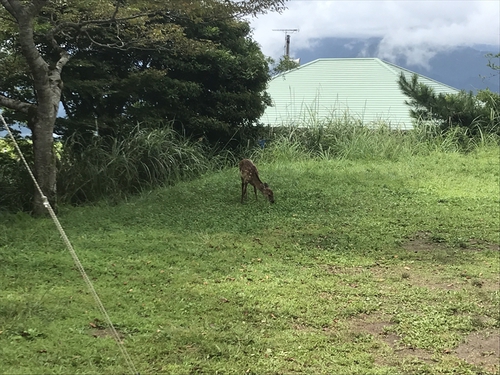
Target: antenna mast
[[287, 39]]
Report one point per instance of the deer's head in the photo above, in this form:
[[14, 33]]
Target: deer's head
[[268, 193]]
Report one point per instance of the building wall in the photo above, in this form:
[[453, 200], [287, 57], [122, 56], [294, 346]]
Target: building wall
[[364, 89]]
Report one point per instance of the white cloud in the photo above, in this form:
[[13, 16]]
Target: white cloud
[[417, 29]]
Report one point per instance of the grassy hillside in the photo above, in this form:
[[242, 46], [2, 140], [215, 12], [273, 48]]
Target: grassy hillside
[[382, 267]]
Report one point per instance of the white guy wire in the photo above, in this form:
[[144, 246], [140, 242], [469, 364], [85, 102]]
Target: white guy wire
[[79, 265]]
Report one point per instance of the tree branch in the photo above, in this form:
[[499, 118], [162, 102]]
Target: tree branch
[[81, 25], [7, 19], [15, 104], [14, 7]]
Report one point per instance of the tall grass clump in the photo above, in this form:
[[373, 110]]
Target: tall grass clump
[[349, 138], [427, 137], [111, 168], [282, 147], [342, 138]]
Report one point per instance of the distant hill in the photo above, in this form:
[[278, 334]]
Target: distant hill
[[464, 68]]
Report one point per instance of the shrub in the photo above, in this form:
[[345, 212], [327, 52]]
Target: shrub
[[477, 115], [16, 186], [143, 159]]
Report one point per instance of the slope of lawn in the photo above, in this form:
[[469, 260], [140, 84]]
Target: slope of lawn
[[360, 267]]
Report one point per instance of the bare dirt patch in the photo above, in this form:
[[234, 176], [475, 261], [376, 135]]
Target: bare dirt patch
[[481, 349], [303, 328], [376, 326], [478, 245], [422, 241], [413, 276], [426, 241]]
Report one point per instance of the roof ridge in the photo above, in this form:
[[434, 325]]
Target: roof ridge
[[390, 66], [282, 74]]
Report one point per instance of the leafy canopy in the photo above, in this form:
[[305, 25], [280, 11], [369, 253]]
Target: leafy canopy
[[477, 113], [68, 27], [212, 89], [284, 64]]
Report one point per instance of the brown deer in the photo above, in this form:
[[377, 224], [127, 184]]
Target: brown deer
[[250, 175]]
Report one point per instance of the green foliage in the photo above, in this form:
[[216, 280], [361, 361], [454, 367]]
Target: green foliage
[[475, 113], [215, 89], [284, 65], [113, 168], [327, 280], [495, 65], [15, 80], [16, 186], [348, 138]]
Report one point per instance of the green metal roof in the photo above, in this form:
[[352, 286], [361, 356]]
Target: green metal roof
[[361, 88]]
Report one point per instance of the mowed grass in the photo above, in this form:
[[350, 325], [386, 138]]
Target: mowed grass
[[382, 267]]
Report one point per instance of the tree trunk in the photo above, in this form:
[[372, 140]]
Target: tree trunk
[[42, 128], [47, 86]]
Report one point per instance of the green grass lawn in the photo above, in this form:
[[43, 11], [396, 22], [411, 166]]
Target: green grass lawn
[[382, 267]]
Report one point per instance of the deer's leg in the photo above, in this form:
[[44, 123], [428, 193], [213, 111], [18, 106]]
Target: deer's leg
[[255, 191], [243, 189]]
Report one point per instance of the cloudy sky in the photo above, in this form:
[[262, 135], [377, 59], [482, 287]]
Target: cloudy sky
[[415, 28]]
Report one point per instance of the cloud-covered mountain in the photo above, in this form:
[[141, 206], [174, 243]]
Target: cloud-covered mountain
[[464, 68]]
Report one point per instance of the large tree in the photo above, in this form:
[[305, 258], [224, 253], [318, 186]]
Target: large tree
[[214, 90], [41, 36]]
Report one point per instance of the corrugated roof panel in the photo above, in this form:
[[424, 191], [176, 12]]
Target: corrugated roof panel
[[364, 88]]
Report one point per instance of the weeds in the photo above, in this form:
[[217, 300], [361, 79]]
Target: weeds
[[351, 140], [361, 267], [115, 169]]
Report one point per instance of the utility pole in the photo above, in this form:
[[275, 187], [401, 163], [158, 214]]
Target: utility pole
[[287, 39]]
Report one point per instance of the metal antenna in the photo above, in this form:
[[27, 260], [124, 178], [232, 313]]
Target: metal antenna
[[287, 39]]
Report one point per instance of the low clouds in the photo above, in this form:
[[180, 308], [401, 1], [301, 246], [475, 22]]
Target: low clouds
[[413, 29]]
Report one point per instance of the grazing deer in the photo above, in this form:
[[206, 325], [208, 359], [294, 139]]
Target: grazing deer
[[250, 175]]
